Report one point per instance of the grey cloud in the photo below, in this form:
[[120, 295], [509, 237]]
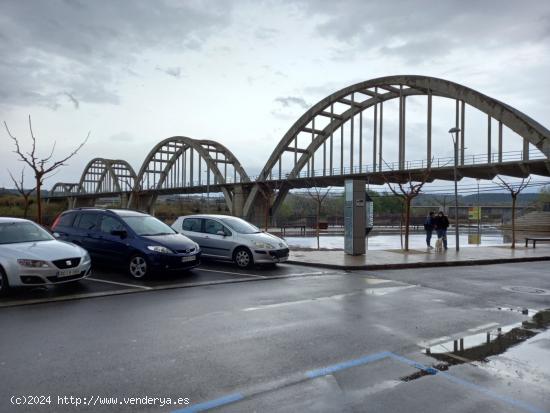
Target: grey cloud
[[421, 50], [265, 33], [73, 100], [291, 101], [367, 25], [81, 46], [122, 137], [176, 71]]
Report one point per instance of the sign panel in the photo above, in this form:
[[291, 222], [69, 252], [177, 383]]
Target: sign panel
[[474, 213], [474, 239], [354, 217]]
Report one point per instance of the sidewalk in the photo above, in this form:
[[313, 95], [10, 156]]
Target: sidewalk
[[417, 258]]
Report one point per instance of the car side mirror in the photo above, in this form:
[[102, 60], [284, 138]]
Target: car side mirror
[[120, 233], [56, 234], [220, 233]]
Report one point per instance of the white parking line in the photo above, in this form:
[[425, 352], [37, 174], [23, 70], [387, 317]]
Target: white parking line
[[118, 283], [306, 273], [444, 339], [234, 273], [306, 301]]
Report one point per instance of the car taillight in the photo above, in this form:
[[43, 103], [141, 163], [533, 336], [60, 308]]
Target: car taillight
[[56, 221]]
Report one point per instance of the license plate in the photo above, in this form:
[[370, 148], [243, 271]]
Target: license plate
[[187, 259], [68, 272]]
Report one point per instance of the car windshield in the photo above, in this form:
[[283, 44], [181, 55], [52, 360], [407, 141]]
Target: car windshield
[[240, 225], [147, 225], [16, 232]]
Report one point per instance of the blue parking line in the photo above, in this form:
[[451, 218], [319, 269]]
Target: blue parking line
[[516, 403], [366, 360], [468, 384], [211, 404], [347, 364], [412, 363]]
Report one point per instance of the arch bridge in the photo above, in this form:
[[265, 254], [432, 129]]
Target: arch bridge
[[344, 135]]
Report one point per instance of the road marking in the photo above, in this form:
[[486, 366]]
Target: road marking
[[445, 339], [309, 300], [375, 281], [306, 273], [212, 404], [387, 290], [119, 283], [368, 291], [347, 364], [371, 358], [483, 327], [234, 273]]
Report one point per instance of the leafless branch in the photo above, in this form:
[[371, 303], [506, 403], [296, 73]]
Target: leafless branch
[[73, 153], [21, 155], [513, 189], [20, 184]]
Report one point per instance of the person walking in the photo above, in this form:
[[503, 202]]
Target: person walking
[[429, 227], [441, 223]]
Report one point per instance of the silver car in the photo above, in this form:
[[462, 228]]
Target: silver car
[[30, 256], [230, 238]]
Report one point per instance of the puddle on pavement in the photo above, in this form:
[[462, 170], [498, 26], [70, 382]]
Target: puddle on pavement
[[481, 346], [524, 311]]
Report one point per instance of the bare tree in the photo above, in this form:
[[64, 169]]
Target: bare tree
[[318, 195], [514, 190], [40, 166], [267, 194], [25, 193], [407, 188]]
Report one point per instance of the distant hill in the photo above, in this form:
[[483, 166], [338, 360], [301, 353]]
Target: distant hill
[[10, 191], [494, 199]]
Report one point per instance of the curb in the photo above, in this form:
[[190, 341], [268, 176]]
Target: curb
[[410, 265]]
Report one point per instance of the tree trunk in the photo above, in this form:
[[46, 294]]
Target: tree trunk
[[26, 207], [267, 214], [38, 200], [318, 217], [401, 225], [407, 221], [513, 221]]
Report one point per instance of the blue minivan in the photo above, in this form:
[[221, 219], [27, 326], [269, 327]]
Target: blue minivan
[[139, 242]]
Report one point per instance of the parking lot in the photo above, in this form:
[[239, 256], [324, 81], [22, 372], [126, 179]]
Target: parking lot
[[106, 281], [282, 339]]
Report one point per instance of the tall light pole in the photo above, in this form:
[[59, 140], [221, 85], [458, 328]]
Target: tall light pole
[[478, 214], [207, 171], [455, 130]]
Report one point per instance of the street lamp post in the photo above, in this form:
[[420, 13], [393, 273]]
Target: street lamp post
[[478, 214], [207, 191], [455, 130]]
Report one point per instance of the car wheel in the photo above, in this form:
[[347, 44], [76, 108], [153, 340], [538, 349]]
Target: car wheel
[[138, 267], [243, 258], [4, 285]]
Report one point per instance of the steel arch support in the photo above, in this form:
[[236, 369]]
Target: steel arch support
[[203, 149], [523, 125]]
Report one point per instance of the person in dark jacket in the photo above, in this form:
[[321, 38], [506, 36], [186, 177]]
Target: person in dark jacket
[[441, 223], [429, 227]]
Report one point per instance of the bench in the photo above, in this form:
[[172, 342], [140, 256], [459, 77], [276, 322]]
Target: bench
[[535, 240]]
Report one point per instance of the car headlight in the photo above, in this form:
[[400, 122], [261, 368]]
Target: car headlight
[[197, 247], [263, 245], [86, 257], [32, 263], [159, 248]]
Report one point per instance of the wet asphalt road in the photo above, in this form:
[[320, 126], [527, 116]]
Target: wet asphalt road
[[285, 339]]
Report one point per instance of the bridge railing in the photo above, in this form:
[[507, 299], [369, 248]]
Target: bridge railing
[[475, 159]]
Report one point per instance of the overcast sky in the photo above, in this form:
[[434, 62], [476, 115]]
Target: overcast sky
[[241, 72]]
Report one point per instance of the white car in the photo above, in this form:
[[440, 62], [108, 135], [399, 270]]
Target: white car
[[230, 238], [30, 256]]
